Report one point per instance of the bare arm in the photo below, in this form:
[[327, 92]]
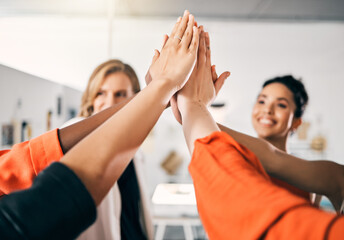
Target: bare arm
[[322, 177], [203, 73], [100, 158], [69, 136], [193, 99]]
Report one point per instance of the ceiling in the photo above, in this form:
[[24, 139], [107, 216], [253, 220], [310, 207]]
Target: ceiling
[[290, 10]]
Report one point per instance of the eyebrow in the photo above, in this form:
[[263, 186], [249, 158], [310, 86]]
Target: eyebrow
[[105, 89], [279, 99]]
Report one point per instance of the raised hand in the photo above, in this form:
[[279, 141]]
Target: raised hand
[[202, 73], [148, 77], [200, 87], [178, 56]]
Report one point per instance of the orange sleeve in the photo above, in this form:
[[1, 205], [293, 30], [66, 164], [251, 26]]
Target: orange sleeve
[[235, 196], [306, 222], [20, 165], [336, 230]]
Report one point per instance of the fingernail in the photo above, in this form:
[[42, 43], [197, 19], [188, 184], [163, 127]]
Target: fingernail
[[185, 12], [179, 19]]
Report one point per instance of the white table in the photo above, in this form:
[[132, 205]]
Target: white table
[[175, 205]]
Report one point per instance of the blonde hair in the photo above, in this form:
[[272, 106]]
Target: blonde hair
[[97, 79]]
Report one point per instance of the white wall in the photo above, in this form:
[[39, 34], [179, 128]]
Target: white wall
[[67, 49], [38, 96]]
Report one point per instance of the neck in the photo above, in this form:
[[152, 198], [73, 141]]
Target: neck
[[280, 143]]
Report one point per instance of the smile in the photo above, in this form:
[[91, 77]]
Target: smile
[[266, 121]]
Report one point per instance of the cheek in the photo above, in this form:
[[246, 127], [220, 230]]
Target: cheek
[[97, 104], [130, 93], [286, 118], [254, 115], [255, 111]]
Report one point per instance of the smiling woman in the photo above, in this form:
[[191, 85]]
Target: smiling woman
[[278, 109], [277, 113]]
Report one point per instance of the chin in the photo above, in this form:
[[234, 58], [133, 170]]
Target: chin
[[264, 135]]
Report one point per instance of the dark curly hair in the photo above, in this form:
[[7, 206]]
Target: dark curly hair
[[298, 90]]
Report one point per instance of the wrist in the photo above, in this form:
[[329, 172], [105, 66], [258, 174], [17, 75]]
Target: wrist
[[163, 87], [190, 106]]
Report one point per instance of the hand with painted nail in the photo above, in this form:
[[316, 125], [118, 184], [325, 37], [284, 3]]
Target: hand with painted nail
[[178, 56], [204, 84]]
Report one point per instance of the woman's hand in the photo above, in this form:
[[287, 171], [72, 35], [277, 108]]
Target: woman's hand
[[148, 77], [176, 61], [200, 87], [204, 84]]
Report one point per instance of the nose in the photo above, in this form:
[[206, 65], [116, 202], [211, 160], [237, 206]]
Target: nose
[[269, 108], [110, 100]]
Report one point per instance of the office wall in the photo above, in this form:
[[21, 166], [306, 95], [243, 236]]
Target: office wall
[[37, 97]]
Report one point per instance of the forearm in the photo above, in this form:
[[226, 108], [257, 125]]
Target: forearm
[[322, 177], [260, 148], [71, 135], [102, 156], [197, 123]]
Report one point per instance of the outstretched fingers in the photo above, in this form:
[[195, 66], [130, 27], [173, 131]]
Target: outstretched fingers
[[164, 41], [187, 34], [148, 77], [195, 41], [213, 73], [175, 27], [208, 53], [179, 29], [201, 59]]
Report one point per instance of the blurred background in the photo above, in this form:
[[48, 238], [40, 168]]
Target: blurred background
[[48, 50]]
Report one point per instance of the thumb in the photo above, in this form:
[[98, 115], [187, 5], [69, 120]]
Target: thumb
[[164, 40], [220, 81], [156, 55], [175, 109], [213, 73]]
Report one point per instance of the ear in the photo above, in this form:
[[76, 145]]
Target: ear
[[296, 123]]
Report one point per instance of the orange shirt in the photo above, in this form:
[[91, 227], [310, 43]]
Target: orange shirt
[[20, 165], [237, 200]]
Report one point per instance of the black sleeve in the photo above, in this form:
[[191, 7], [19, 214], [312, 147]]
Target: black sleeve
[[57, 206]]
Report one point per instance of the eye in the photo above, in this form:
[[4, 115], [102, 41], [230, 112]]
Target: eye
[[260, 101], [121, 94], [282, 105], [100, 93]]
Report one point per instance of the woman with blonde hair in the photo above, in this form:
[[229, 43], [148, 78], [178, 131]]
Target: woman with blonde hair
[[124, 212], [97, 79]]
